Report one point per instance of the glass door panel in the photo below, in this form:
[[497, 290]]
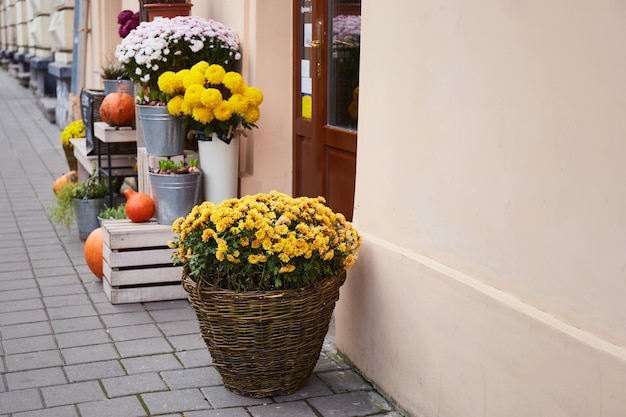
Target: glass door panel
[[307, 45], [343, 63]]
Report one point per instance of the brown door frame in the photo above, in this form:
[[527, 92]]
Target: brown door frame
[[308, 142], [318, 148]]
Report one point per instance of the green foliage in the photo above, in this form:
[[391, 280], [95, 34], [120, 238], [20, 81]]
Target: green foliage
[[109, 213], [61, 210], [168, 167]]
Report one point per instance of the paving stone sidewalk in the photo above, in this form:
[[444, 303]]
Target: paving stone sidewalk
[[65, 351]]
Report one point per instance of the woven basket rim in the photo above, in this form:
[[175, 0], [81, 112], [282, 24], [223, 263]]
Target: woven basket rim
[[205, 287]]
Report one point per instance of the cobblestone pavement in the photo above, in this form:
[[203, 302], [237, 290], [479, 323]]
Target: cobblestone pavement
[[65, 351]]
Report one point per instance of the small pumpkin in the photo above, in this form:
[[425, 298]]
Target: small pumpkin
[[118, 109], [66, 178], [139, 206], [93, 252]]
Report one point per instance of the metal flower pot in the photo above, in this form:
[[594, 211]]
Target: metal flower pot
[[86, 211], [174, 195], [162, 132]]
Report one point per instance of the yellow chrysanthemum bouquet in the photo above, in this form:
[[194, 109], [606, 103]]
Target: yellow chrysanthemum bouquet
[[75, 129], [263, 242], [211, 99]]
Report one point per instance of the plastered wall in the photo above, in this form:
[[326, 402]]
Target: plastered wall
[[497, 132]]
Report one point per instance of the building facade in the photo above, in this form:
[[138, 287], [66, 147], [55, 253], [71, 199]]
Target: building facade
[[489, 191]]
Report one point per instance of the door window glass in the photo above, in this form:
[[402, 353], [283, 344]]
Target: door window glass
[[343, 62], [306, 45]]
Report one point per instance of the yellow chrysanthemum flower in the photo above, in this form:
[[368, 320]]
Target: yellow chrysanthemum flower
[[234, 82], [193, 95], [238, 103], [168, 82], [202, 114], [223, 111], [255, 259], [193, 77], [180, 76], [214, 74], [287, 268], [252, 114], [207, 234], [174, 106], [211, 97], [349, 261], [232, 259], [186, 109], [200, 66], [75, 129], [254, 96]]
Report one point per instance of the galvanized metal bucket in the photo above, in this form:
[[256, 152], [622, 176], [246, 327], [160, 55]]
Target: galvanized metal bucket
[[162, 132], [121, 86], [174, 195], [86, 211]]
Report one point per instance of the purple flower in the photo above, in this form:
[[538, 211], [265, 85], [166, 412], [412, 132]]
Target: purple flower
[[124, 16], [129, 24]]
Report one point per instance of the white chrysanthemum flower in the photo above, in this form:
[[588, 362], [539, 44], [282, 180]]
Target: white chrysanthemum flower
[[196, 46]]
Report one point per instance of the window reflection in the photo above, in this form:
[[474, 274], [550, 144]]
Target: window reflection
[[343, 94]]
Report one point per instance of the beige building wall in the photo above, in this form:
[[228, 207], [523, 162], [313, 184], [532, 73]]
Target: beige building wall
[[102, 36], [264, 28], [490, 192]]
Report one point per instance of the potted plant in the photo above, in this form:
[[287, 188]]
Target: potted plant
[[217, 105], [175, 187], [263, 273], [165, 45], [81, 201], [115, 78], [112, 213], [75, 129]]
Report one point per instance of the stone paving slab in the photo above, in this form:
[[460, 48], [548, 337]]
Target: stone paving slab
[[65, 351]]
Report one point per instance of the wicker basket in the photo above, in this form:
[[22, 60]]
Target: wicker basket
[[72, 163], [264, 343]]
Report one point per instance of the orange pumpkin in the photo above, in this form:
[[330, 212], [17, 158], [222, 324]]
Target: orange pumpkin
[[66, 178], [93, 252], [118, 109], [139, 206]]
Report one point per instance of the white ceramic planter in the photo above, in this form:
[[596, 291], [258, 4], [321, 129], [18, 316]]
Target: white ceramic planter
[[219, 162]]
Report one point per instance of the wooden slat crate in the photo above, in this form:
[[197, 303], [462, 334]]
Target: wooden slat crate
[[137, 263]]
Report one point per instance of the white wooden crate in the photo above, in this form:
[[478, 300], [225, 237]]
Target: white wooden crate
[[137, 263]]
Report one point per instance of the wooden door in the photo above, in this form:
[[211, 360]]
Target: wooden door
[[326, 79]]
